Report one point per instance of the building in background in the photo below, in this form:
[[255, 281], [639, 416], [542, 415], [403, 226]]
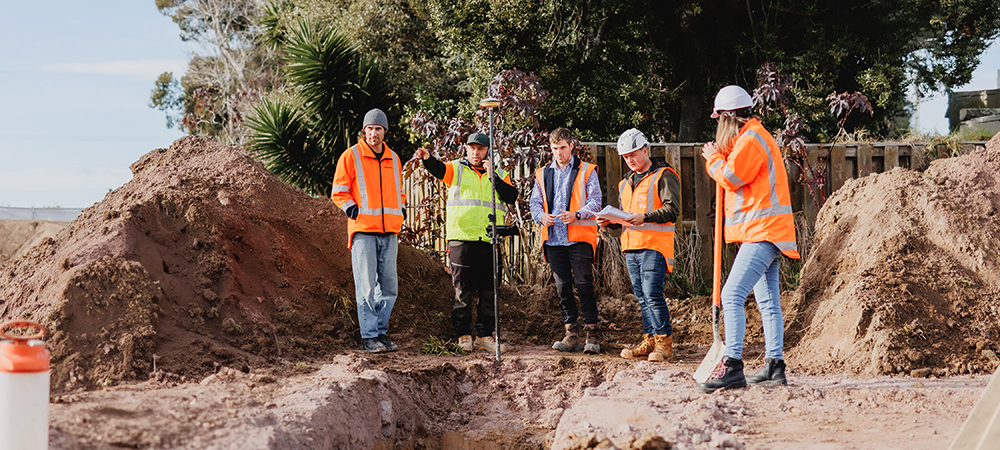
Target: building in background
[[975, 111]]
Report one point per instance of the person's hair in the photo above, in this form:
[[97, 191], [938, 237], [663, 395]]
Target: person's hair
[[560, 134], [730, 123]]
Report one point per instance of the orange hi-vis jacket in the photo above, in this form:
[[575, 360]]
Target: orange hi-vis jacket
[[645, 199], [584, 230], [757, 203], [373, 185]]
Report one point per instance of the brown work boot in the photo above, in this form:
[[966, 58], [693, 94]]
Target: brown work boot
[[592, 347], [489, 343], [465, 342], [571, 342], [640, 351], [662, 349]]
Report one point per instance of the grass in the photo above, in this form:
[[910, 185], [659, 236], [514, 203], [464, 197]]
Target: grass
[[435, 346]]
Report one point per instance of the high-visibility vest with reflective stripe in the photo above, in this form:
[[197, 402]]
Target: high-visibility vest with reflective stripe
[[374, 186], [757, 202], [645, 198], [584, 230], [469, 203]]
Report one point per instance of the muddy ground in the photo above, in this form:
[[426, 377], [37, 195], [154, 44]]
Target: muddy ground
[[205, 304]]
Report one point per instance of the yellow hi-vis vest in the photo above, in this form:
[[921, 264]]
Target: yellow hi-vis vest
[[469, 202], [645, 199]]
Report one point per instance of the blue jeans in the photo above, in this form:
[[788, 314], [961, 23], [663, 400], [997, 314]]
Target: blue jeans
[[373, 258], [648, 270], [755, 267]]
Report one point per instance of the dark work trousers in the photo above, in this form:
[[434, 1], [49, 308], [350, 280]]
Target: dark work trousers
[[574, 264], [471, 263]]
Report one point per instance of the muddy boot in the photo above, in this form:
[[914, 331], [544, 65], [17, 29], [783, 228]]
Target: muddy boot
[[771, 374], [571, 342], [593, 332], [389, 345], [727, 375], [642, 350], [489, 343], [465, 342], [662, 348], [373, 345]]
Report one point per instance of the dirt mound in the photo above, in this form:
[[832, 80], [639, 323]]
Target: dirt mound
[[17, 236], [203, 260], [904, 273]]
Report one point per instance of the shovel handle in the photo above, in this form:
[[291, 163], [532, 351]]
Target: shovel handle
[[717, 253]]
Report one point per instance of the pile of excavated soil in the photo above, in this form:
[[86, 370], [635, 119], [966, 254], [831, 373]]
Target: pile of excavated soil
[[203, 260], [18, 236], [904, 275]]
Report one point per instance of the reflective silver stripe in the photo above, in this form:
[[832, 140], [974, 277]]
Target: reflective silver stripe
[[786, 246], [474, 202], [733, 179], [341, 188], [455, 192], [399, 187], [772, 176], [670, 261], [348, 204], [651, 192], [587, 222], [738, 204], [740, 217], [359, 174], [379, 211], [715, 166], [652, 227]]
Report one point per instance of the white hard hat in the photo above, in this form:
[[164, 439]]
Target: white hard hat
[[630, 141], [731, 98]]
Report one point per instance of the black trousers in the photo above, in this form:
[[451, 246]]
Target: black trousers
[[472, 273], [574, 264]]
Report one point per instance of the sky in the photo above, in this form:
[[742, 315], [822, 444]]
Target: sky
[[75, 80]]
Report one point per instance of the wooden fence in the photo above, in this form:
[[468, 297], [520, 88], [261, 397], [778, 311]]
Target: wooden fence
[[841, 162]]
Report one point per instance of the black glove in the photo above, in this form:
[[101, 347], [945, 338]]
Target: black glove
[[352, 211]]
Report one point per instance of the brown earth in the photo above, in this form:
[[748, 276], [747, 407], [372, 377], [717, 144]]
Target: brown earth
[[205, 304], [18, 236]]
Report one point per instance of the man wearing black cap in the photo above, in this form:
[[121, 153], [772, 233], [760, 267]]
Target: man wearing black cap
[[470, 202]]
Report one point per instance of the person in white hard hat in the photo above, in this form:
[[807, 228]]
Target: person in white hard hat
[[650, 192], [747, 163]]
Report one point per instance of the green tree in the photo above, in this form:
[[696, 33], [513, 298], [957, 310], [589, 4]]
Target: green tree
[[300, 131]]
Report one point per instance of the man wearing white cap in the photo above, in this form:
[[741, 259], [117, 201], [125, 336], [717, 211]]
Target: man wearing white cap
[[366, 186], [650, 192]]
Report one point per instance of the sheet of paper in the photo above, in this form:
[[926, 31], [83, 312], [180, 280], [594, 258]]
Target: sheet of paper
[[613, 214]]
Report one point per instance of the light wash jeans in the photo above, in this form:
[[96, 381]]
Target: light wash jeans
[[648, 270], [755, 267], [373, 258]]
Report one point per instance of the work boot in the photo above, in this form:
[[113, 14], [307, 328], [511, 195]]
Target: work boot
[[489, 343], [373, 345], [772, 373], [728, 374], [571, 342], [465, 343], [662, 348], [642, 350], [389, 345], [592, 347]]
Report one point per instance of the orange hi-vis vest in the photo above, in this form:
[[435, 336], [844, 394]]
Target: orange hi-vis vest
[[757, 202], [373, 185], [584, 230], [646, 199]]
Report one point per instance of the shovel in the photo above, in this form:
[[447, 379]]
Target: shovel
[[715, 353]]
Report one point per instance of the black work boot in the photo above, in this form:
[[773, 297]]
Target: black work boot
[[728, 374], [771, 374]]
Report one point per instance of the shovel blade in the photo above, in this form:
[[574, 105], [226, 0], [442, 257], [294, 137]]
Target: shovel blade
[[711, 360]]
